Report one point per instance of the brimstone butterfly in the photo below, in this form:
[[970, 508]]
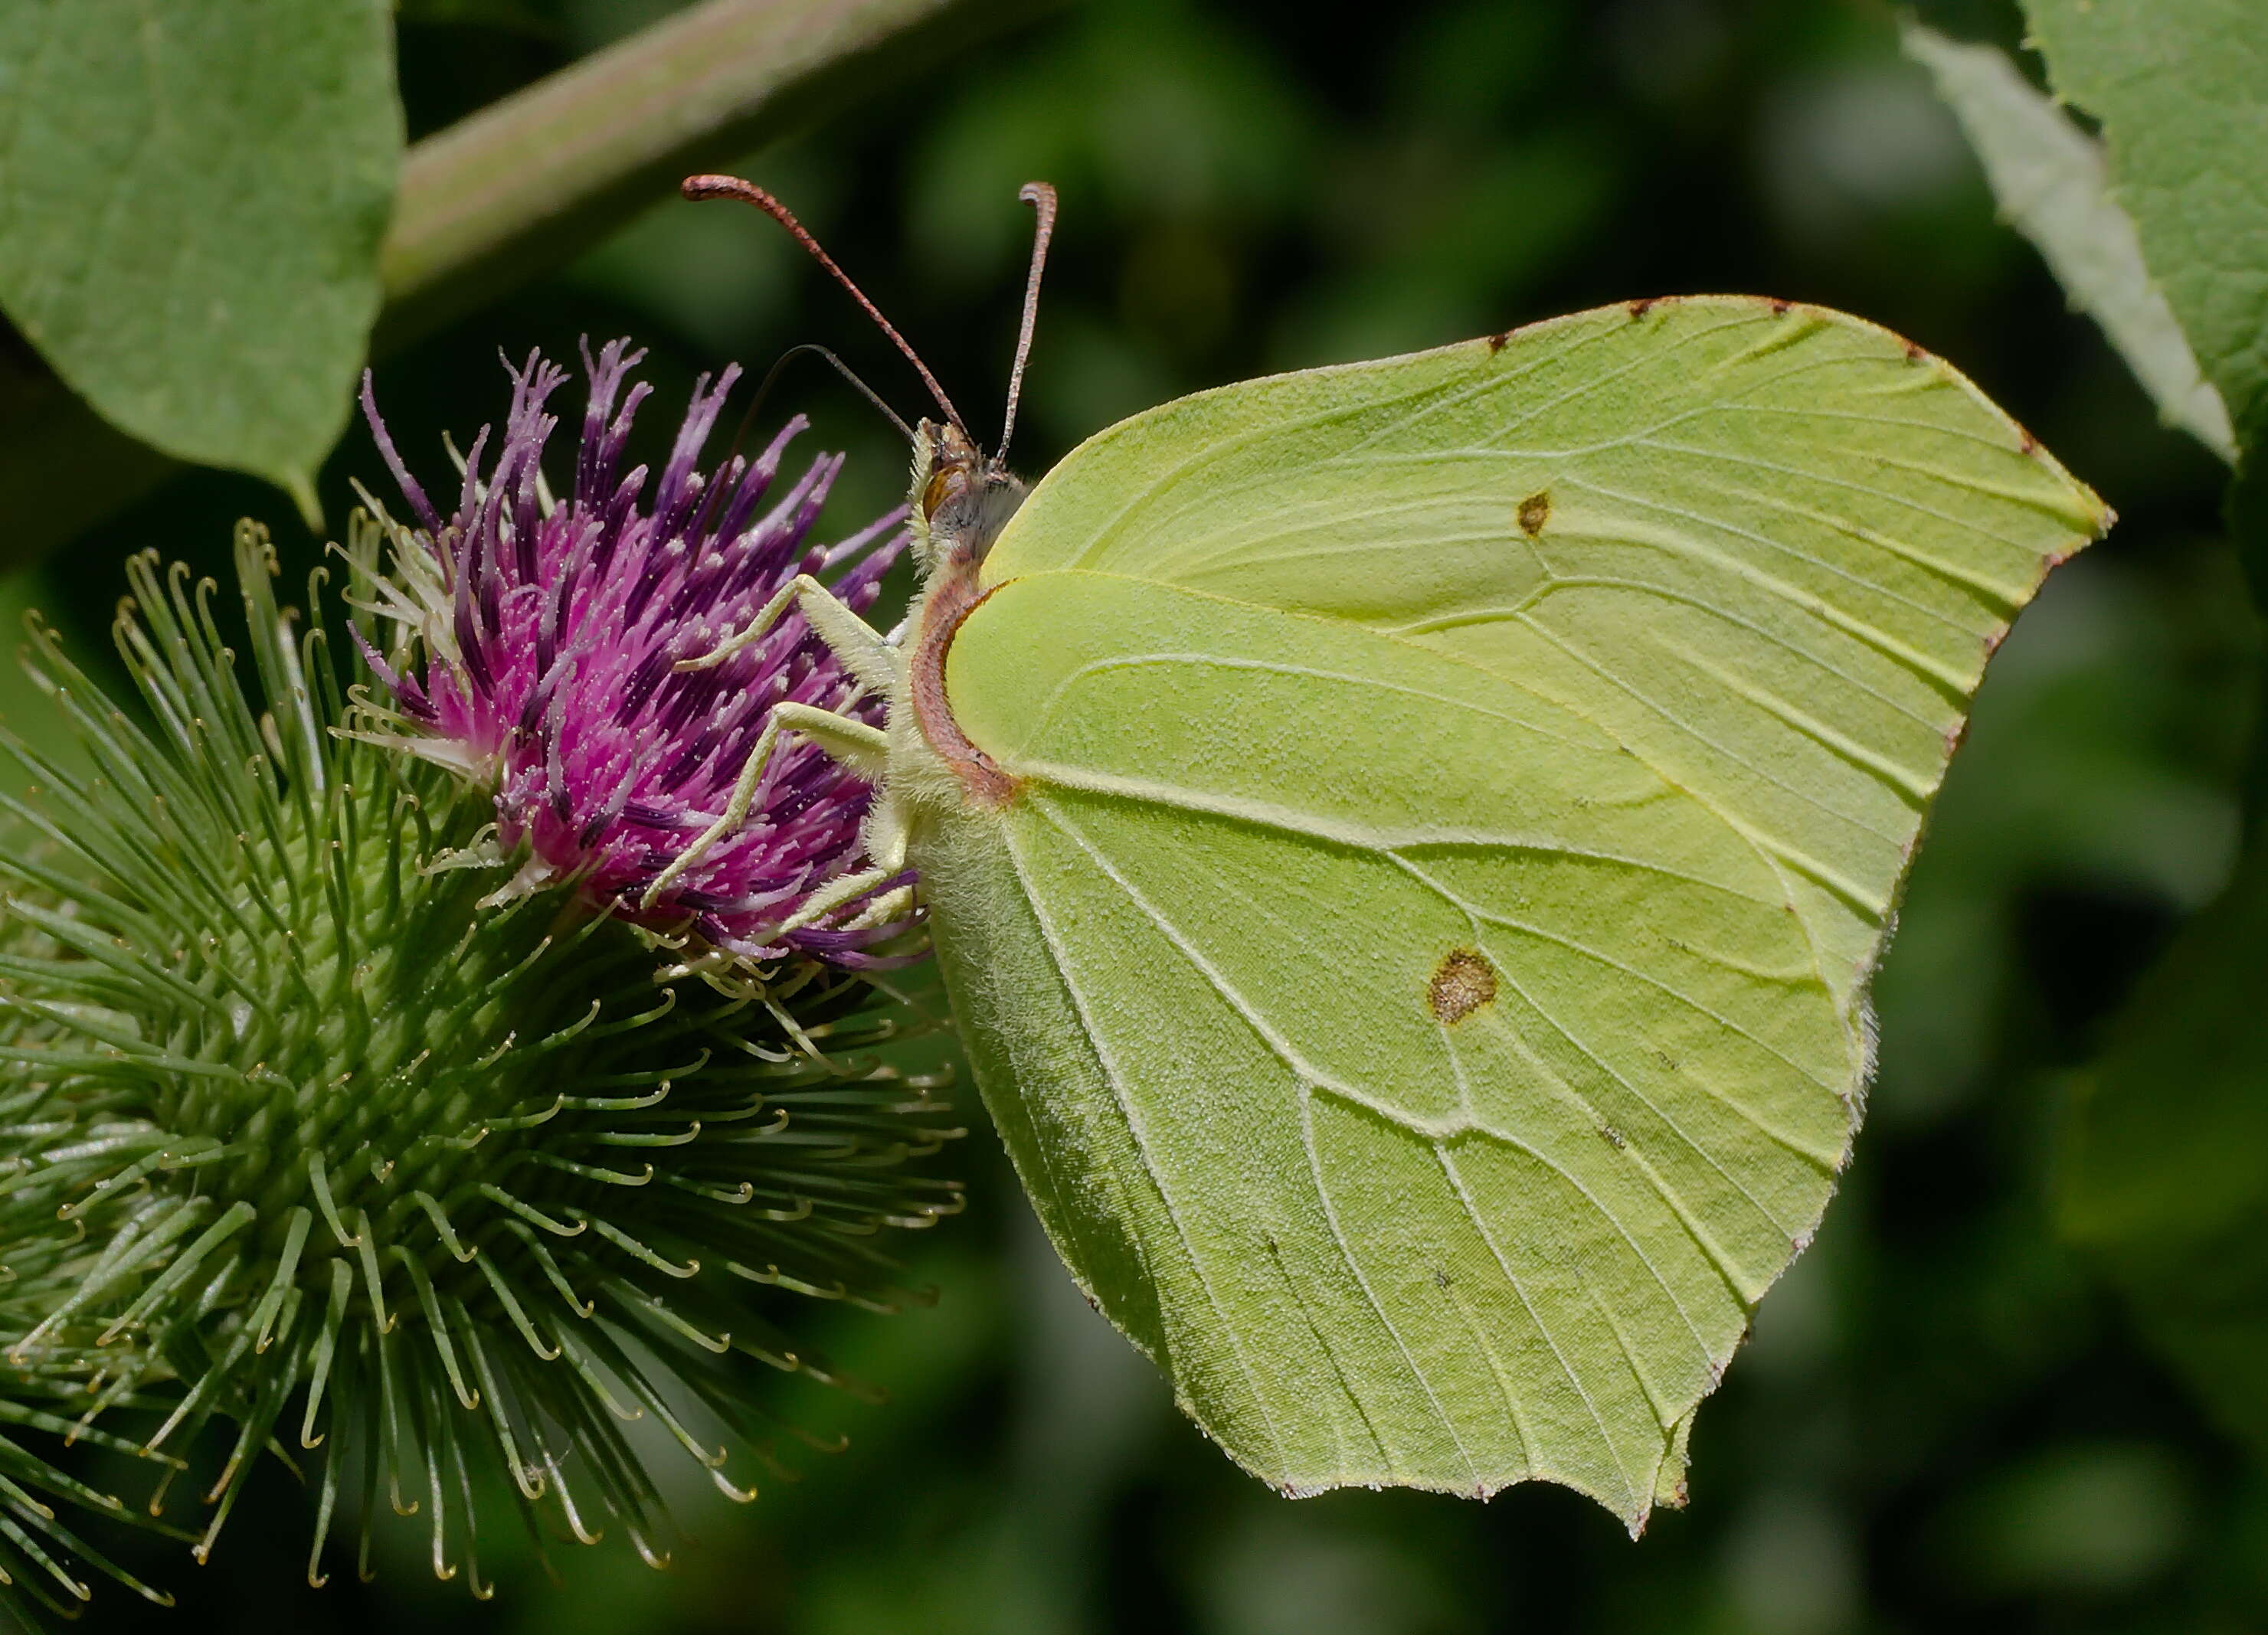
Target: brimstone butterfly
[[1406, 844]]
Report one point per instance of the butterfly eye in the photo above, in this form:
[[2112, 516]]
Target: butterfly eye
[[940, 485]]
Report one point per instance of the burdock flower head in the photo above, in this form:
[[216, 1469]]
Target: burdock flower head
[[553, 642], [340, 1148]]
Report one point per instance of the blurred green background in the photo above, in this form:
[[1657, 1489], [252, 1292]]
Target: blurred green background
[[1942, 1422]]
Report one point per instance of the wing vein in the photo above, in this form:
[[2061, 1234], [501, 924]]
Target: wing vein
[[1098, 1041], [1520, 1292], [1306, 1078]]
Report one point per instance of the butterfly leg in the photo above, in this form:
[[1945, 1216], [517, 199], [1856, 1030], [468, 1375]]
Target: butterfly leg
[[862, 651], [861, 747], [885, 845], [876, 664]]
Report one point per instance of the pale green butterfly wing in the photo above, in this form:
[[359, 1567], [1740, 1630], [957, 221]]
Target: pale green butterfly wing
[[1460, 798], [1402, 1230]]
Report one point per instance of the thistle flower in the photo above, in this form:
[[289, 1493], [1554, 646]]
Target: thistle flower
[[350, 1158], [547, 636]]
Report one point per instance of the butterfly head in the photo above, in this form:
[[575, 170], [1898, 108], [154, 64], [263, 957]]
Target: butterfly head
[[961, 500], [962, 497]]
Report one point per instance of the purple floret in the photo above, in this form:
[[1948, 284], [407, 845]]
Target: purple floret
[[549, 634]]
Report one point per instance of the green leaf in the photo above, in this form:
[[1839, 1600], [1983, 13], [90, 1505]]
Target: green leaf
[[2165, 1172], [1424, 833], [192, 197], [2182, 89], [2049, 178]]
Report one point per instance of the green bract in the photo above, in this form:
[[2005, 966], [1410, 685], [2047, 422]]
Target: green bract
[[1407, 844], [368, 1164], [42, 1397]]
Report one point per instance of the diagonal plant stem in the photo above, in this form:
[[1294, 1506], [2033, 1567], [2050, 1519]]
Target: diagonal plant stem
[[532, 178], [517, 188]]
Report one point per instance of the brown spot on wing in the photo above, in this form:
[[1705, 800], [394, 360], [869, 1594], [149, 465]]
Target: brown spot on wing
[[1535, 511], [1463, 983]]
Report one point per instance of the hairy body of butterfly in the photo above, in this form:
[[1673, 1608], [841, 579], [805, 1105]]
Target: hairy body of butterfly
[[1407, 843]]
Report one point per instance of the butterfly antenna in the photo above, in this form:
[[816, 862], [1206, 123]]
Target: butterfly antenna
[[840, 368], [1041, 198], [764, 390], [698, 187]]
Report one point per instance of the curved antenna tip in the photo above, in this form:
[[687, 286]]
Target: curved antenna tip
[[711, 187], [714, 187], [1041, 198]]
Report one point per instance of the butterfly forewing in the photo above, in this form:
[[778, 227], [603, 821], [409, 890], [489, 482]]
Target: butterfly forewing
[[1457, 799]]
